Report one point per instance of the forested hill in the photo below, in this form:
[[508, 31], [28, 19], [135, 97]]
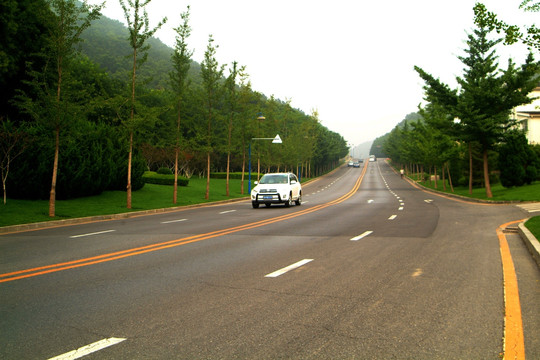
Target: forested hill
[[106, 43], [377, 146]]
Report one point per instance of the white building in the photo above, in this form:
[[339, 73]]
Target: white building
[[528, 117]]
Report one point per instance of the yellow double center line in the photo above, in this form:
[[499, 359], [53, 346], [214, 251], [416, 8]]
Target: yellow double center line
[[21, 274]]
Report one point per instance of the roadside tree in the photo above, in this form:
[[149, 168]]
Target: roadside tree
[[179, 81], [139, 33], [211, 74], [486, 95]]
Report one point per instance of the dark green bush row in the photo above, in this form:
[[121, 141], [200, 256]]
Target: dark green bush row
[[92, 159], [151, 177]]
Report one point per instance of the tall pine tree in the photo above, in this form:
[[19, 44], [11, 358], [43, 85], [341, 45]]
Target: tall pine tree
[[486, 95]]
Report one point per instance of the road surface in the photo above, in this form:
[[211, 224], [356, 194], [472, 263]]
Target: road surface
[[368, 267]]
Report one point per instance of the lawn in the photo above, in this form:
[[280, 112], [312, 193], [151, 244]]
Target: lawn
[[113, 202], [533, 224]]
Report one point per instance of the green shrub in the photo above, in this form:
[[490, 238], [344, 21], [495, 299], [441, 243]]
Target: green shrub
[[164, 171], [151, 177]]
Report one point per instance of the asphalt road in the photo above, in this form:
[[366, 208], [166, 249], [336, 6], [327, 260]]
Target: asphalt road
[[382, 270]]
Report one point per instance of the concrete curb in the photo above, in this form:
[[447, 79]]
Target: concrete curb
[[530, 241]]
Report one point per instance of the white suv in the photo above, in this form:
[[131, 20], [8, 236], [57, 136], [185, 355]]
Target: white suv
[[277, 188]]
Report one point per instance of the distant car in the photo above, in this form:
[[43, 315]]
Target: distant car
[[356, 164], [277, 188], [351, 163], [372, 158]]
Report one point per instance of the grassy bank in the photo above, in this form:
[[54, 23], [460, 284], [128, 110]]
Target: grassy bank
[[114, 202]]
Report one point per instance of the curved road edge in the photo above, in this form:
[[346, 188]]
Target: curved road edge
[[530, 241]]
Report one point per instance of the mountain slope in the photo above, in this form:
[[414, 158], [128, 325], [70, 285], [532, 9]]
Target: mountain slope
[[106, 43]]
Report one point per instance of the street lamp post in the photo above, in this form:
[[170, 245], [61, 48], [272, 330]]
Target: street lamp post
[[275, 140], [260, 117]]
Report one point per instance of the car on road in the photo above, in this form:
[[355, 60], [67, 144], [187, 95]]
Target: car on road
[[351, 163], [277, 188], [356, 164]]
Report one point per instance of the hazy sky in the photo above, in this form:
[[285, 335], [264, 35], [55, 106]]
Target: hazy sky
[[352, 61]]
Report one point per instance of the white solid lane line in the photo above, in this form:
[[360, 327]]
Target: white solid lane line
[[90, 234], [288, 268], [361, 235], [173, 221], [88, 349]]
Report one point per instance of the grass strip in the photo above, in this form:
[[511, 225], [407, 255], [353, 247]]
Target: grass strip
[[533, 224]]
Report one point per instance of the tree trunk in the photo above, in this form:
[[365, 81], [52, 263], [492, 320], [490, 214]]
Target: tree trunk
[[177, 150], [175, 190], [229, 155], [470, 169], [52, 198], [132, 117], [207, 177], [243, 170], [228, 167], [486, 175], [443, 177], [130, 155], [450, 178]]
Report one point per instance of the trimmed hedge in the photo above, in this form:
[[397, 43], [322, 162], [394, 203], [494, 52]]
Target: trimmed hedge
[[151, 177]]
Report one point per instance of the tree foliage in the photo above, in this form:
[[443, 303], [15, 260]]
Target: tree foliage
[[518, 163], [485, 98], [530, 36]]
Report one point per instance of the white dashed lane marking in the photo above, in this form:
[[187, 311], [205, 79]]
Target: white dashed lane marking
[[288, 268], [361, 236], [91, 234], [173, 221]]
